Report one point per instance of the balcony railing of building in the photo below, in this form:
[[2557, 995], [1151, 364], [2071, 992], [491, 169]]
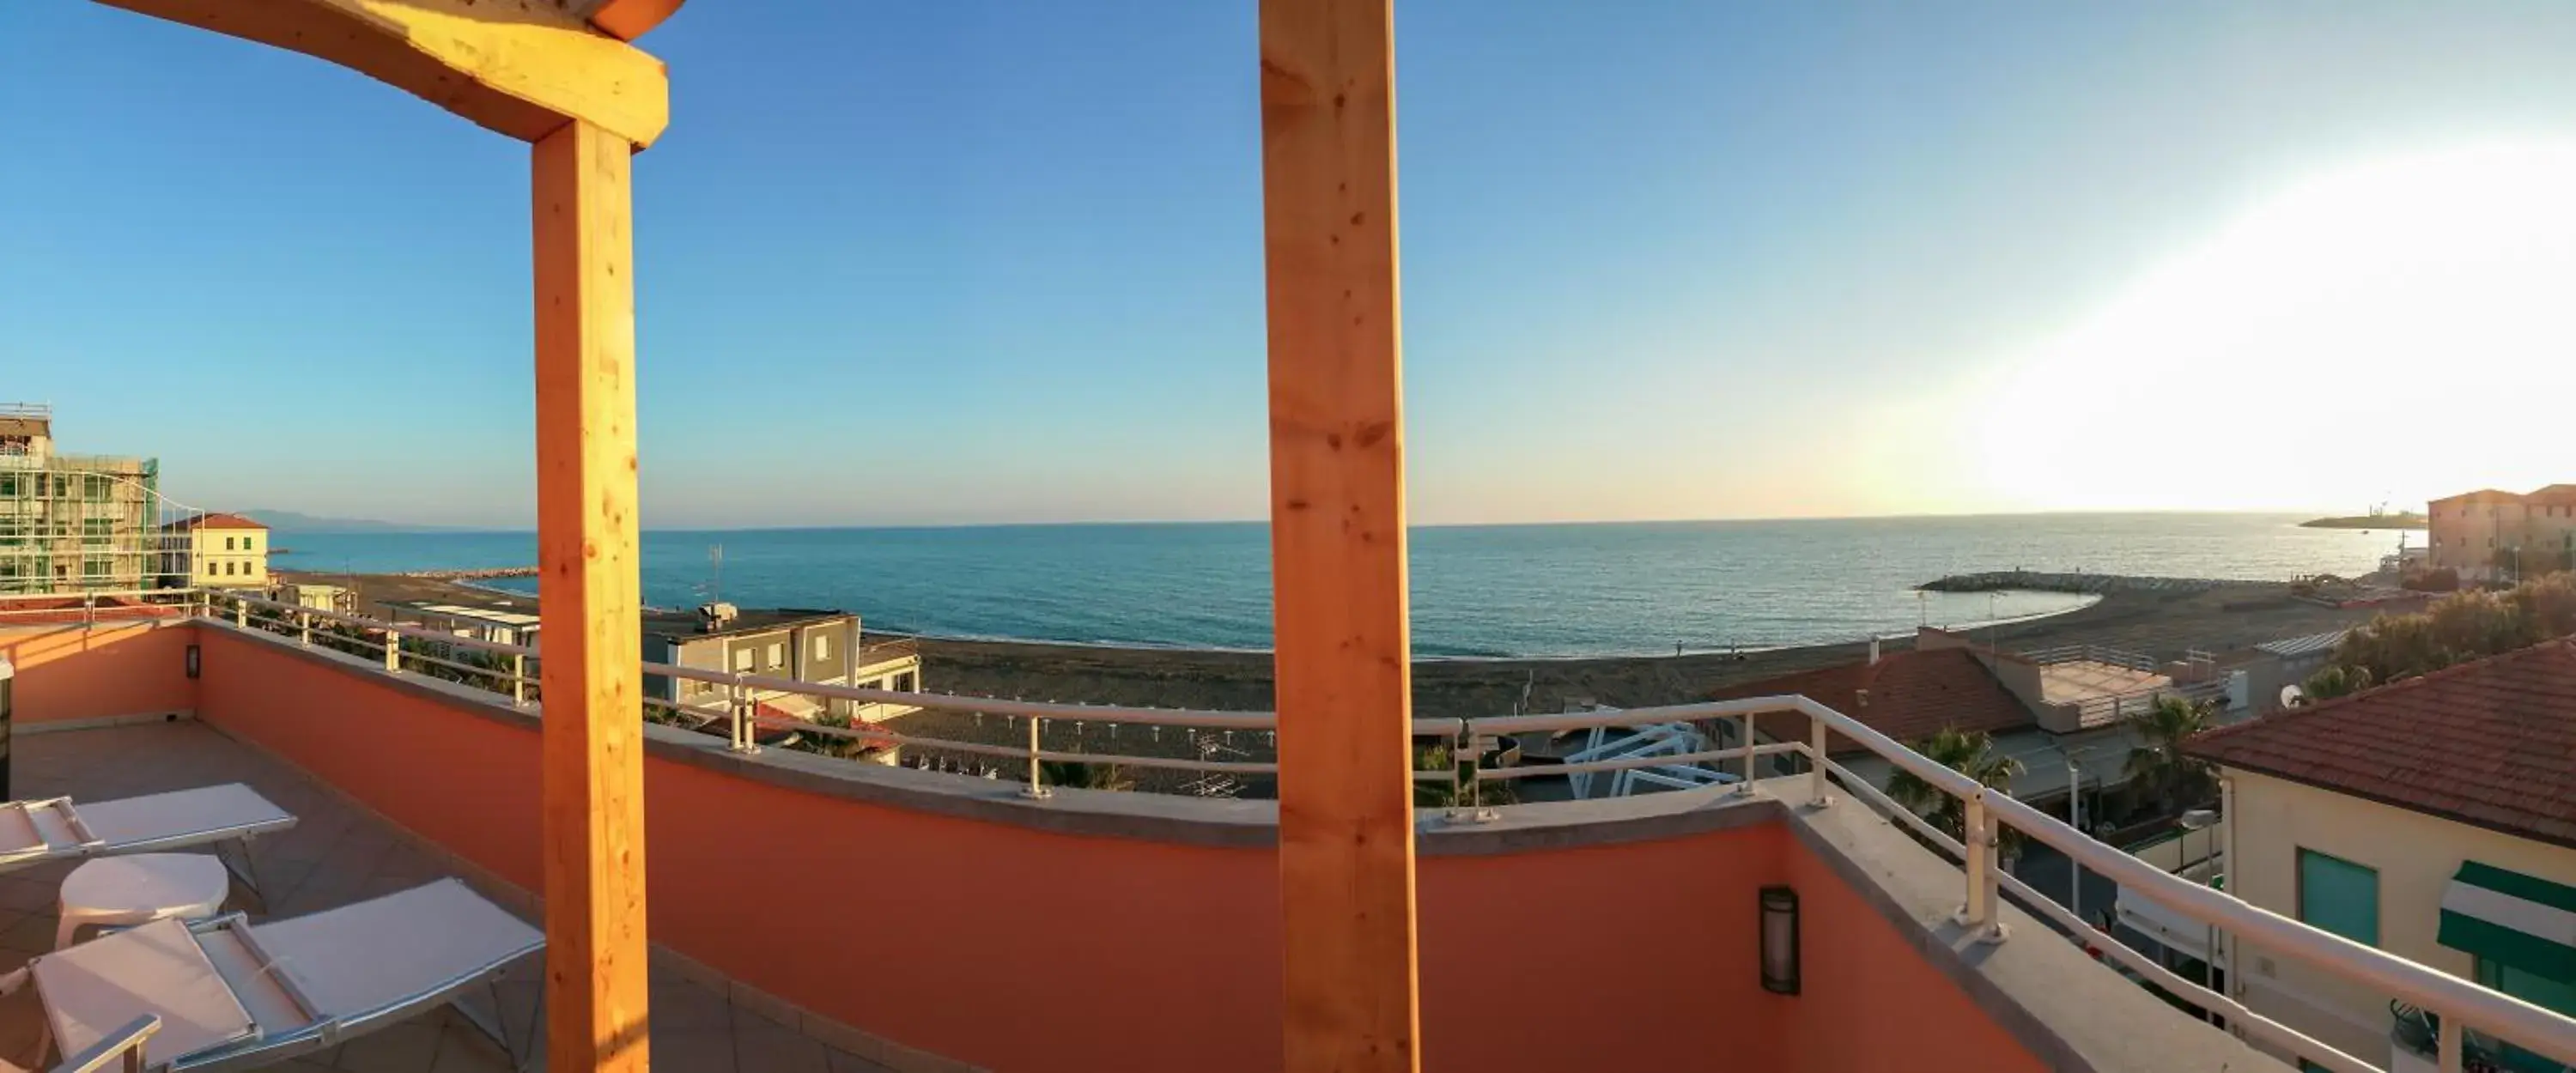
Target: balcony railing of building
[[509, 672], [2117, 657]]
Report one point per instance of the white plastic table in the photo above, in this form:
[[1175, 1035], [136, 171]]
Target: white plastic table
[[141, 888]]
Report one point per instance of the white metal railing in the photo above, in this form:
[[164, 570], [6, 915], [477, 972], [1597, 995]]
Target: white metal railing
[[2106, 710], [741, 696], [2117, 657], [1987, 812]]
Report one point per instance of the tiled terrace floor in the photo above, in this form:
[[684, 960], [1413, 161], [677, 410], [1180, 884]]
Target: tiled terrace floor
[[2080, 680], [337, 854]]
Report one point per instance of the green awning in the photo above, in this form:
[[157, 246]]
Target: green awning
[[2512, 919]]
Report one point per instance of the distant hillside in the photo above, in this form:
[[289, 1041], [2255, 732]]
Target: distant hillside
[[293, 521], [2404, 519]]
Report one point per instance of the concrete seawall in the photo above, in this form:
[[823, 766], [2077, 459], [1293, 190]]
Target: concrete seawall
[[2099, 584]]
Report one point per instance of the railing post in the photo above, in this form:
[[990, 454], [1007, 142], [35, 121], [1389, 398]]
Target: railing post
[[1747, 786], [1037, 778], [304, 628], [2447, 1044], [1819, 788], [241, 612], [519, 678], [393, 651], [1981, 915], [1466, 760], [739, 709]]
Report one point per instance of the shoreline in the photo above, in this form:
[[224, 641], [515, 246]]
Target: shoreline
[[479, 583], [2158, 623]]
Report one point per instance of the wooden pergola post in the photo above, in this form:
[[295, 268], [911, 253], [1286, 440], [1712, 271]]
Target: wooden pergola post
[[1343, 655], [588, 603]]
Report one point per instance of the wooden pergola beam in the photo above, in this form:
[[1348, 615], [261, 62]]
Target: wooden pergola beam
[[588, 602], [629, 19], [524, 68], [1343, 644]]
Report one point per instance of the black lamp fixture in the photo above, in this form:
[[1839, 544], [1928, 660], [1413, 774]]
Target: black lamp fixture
[[1780, 940]]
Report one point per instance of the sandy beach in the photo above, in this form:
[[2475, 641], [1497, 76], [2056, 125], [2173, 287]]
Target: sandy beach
[[2158, 623]]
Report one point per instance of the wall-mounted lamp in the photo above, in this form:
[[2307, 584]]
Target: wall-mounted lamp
[[192, 661], [1780, 940]]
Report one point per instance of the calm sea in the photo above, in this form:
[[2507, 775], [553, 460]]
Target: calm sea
[[1520, 590]]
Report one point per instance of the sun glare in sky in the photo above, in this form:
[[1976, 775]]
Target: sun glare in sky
[[2395, 331]]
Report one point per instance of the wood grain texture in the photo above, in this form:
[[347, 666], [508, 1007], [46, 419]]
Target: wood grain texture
[[521, 67], [1337, 536], [588, 606]]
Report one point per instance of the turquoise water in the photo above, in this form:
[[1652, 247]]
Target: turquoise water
[[1520, 590]]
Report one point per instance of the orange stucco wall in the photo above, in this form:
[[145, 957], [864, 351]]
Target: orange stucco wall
[[1869, 1001], [468, 783], [1020, 949], [67, 672]]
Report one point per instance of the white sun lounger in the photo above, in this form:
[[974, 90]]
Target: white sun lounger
[[235, 995], [121, 1050], [33, 832]]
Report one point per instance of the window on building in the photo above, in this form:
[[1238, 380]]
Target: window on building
[[777, 654], [96, 567], [95, 487], [905, 682], [2339, 896], [2534, 988], [822, 646], [210, 572], [12, 485], [228, 543], [741, 659]]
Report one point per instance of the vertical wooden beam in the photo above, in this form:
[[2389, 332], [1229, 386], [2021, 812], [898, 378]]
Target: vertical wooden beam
[[1344, 661], [588, 608]]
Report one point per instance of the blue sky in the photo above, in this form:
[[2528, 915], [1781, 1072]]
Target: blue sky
[[1000, 261]]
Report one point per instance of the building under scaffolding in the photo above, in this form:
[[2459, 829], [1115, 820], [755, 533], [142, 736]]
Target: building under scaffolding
[[76, 523]]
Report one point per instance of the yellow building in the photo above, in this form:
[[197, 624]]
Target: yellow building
[[222, 551], [2495, 536], [2434, 818]]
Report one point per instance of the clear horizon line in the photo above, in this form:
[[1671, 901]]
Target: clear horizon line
[[432, 527]]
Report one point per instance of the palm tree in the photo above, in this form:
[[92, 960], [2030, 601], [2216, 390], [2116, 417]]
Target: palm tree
[[1453, 793], [2335, 680], [2157, 763], [1085, 776], [1970, 753]]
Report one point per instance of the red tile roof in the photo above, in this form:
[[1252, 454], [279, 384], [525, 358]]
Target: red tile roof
[[215, 521], [1912, 696], [2482, 495], [2490, 743]]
